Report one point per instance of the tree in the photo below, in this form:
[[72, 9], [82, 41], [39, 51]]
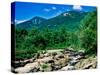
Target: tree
[[88, 34]]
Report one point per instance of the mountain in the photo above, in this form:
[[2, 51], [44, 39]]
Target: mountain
[[69, 19], [34, 22]]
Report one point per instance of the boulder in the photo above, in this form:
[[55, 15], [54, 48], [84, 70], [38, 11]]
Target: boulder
[[73, 62], [56, 67], [22, 70], [41, 56], [87, 63], [54, 53], [46, 54], [59, 56], [44, 60], [91, 65], [68, 68], [61, 62], [27, 68]]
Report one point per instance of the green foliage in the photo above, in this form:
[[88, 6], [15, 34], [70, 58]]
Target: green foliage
[[20, 37], [44, 66], [36, 40], [88, 33], [29, 42]]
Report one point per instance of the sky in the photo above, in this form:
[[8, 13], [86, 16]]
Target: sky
[[27, 10]]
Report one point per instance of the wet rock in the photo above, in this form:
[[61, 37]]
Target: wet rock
[[46, 54], [87, 63], [54, 53], [51, 61], [91, 65], [32, 65], [27, 68], [59, 56], [31, 60], [23, 63], [61, 62], [73, 62], [44, 60], [56, 67], [22, 70], [35, 70], [41, 56], [68, 68], [80, 57]]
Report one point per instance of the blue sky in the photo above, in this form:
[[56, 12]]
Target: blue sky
[[27, 10]]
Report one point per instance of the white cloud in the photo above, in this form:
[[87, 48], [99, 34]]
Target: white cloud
[[54, 8], [47, 10], [77, 7], [19, 21], [65, 9]]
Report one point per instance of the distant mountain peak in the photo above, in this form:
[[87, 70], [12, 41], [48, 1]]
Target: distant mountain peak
[[37, 17], [69, 19], [37, 20], [66, 14]]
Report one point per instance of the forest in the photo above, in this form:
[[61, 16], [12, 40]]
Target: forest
[[84, 37]]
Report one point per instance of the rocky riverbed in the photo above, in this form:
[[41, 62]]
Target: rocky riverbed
[[56, 60]]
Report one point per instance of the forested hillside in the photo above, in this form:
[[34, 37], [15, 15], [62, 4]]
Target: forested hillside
[[69, 19], [77, 30], [88, 33]]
